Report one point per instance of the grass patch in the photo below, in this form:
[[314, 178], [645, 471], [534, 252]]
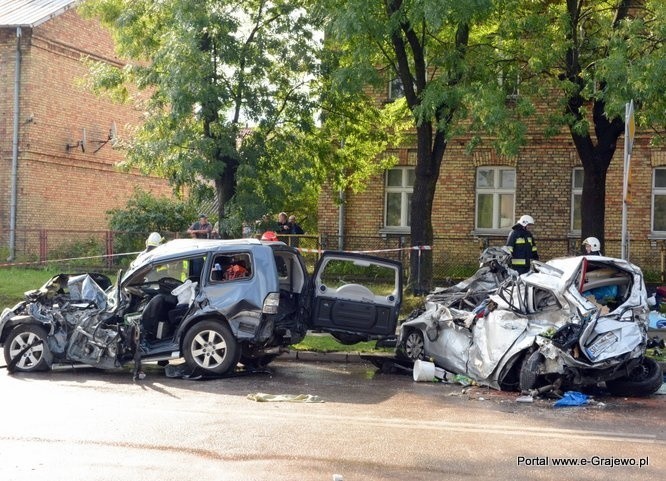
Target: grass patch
[[327, 343], [14, 282]]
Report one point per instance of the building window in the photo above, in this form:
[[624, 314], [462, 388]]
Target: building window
[[399, 188], [395, 89], [576, 196], [495, 197], [659, 201]]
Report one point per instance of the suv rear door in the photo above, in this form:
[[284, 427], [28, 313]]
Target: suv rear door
[[355, 297]]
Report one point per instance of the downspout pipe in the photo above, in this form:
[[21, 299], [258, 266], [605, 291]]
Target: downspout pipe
[[341, 221], [15, 149]]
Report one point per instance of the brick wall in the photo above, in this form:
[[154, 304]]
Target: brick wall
[[61, 186], [543, 175]]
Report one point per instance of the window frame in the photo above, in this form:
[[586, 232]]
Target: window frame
[[391, 86], [496, 190], [656, 191], [575, 191], [405, 190]]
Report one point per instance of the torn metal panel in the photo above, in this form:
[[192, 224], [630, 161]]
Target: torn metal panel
[[570, 321]]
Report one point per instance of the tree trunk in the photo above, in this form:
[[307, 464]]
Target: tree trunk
[[429, 160], [596, 159], [225, 188]]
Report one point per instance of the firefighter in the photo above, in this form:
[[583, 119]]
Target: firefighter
[[521, 245], [592, 246]]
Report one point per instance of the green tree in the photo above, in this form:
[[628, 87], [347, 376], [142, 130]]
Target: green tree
[[442, 54], [144, 213], [585, 59], [205, 71]]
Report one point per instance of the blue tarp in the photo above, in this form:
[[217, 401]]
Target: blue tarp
[[571, 398]]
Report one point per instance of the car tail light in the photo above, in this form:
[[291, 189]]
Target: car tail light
[[271, 303]]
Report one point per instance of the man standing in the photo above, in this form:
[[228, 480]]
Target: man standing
[[521, 245], [201, 229]]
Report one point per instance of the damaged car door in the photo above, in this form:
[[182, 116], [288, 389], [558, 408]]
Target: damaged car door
[[356, 297]]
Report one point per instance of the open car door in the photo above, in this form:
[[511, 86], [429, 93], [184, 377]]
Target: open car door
[[356, 297]]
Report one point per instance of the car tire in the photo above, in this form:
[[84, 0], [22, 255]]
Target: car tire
[[413, 347], [644, 380], [348, 339], [530, 377], [37, 357], [257, 362], [210, 346]]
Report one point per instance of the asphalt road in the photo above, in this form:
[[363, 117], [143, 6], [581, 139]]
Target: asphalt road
[[84, 424]]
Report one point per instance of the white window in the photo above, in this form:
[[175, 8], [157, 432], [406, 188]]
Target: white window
[[399, 188], [495, 197], [576, 196], [659, 201], [395, 89]]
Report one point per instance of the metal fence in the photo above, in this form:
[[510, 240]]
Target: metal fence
[[453, 257]]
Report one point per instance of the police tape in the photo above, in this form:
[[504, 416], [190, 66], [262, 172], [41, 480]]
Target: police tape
[[374, 251], [68, 259], [107, 256]]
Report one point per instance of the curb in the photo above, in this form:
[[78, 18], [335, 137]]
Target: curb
[[321, 356]]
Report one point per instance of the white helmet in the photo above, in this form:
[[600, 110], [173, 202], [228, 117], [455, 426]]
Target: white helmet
[[526, 220], [593, 242], [154, 239]]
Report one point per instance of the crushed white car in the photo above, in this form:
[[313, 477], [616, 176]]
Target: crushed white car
[[568, 323]]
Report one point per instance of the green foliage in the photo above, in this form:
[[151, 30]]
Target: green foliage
[[86, 251], [147, 213], [144, 213], [205, 71]]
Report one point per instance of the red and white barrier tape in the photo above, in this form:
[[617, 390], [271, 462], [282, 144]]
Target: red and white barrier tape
[[376, 251], [311, 251]]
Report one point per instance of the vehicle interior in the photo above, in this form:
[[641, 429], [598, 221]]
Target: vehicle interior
[[609, 285]]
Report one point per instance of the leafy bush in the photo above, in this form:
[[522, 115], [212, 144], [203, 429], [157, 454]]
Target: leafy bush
[[87, 251], [145, 213]]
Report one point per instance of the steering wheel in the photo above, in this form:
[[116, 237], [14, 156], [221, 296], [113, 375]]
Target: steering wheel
[[168, 284]]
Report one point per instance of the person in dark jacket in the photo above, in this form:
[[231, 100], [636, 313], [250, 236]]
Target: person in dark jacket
[[521, 245]]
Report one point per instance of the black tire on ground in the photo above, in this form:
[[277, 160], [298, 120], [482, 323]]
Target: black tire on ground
[[413, 346], [211, 346], [29, 342], [644, 380], [257, 362], [347, 339], [529, 371]]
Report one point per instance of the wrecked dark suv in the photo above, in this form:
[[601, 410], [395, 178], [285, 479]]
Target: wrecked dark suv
[[214, 303]]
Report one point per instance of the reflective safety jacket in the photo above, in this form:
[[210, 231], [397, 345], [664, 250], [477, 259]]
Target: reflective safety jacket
[[523, 248]]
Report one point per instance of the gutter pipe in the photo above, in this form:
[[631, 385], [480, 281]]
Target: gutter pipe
[[15, 149]]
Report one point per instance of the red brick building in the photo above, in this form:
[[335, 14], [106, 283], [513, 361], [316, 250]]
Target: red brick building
[[57, 161], [481, 195]]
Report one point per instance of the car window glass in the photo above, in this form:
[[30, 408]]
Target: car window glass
[[231, 266], [341, 273], [181, 269]]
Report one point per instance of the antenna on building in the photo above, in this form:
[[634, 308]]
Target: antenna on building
[[79, 143], [112, 137], [113, 134]]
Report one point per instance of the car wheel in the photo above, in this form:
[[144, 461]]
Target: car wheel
[[26, 349], [211, 346], [413, 346], [644, 380], [530, 371]]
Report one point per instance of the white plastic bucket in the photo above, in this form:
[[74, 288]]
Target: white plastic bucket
[[427, 371]]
